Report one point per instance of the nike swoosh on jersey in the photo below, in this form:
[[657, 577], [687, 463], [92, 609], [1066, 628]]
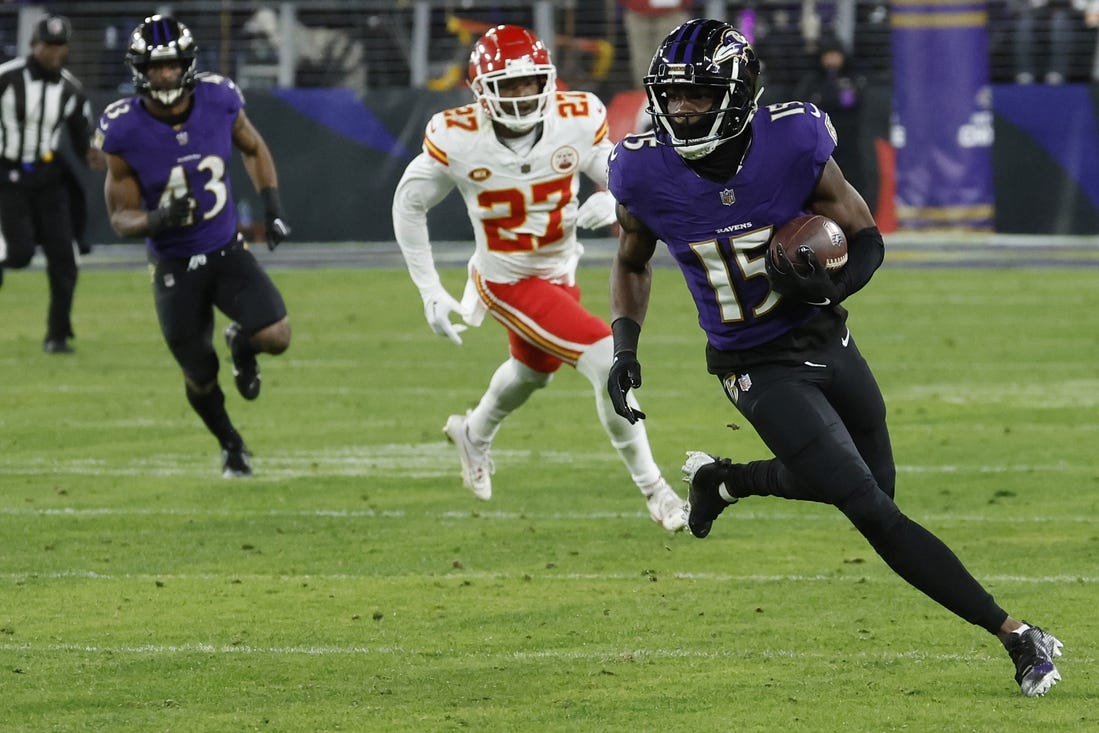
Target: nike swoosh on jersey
[[846, 338]]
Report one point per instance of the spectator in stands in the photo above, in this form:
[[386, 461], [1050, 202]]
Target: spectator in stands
[[646, 23], [836, 88], [1091, 20], [1044, 37]]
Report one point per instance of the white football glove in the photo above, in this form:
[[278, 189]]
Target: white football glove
[[597, 211], [438, 305]]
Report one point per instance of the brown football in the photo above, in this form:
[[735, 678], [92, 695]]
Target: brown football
[[812, 231]]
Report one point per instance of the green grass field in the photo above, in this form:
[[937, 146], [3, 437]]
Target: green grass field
[[354, 585]]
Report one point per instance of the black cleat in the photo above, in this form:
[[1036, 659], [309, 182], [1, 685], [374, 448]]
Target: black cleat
[[236, 462], [708, 496], [245, 366], [57, 346], [1033, 651]]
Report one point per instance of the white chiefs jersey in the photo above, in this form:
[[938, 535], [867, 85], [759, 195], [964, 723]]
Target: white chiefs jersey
[[522, 206]]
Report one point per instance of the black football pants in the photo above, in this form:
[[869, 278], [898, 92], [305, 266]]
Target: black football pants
[[824, 420], [186, 291], [39, 215]]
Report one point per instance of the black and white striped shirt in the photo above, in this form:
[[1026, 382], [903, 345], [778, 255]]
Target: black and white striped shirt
[[34, 106]]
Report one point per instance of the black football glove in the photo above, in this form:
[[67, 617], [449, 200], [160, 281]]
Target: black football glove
[[815, 287], [276, 229], [274, 223], [175, 213], [625, 374]]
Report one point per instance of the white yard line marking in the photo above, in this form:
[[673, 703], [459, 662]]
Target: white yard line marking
[[594, 655], [475, 513], [419, 460], [885, 575], [422, 460]]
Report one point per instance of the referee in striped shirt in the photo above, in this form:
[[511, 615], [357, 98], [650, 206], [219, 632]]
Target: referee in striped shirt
[[38, 100]]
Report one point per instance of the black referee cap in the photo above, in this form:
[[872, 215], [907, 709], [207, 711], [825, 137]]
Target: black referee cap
[[53, 29]]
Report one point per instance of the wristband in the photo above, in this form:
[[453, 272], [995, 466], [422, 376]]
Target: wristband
[[626, 332], [271, 202]]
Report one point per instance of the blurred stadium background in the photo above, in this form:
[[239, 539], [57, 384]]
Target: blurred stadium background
[[945, 134]]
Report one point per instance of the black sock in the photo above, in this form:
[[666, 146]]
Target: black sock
[[747, 479], [211, 408], [767, 478]]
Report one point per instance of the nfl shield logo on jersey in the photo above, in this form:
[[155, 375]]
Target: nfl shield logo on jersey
[[728, 198]]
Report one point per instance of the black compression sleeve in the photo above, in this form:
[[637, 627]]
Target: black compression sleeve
[[626, 332], [865, 253], [272, 204]]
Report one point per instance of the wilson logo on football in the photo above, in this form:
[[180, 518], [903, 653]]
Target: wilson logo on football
[[480, 174]]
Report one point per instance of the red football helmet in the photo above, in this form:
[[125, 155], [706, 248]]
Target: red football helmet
[[508, 52]]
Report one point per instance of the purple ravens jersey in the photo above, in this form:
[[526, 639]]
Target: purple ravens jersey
[[171, 162], [718, 232]]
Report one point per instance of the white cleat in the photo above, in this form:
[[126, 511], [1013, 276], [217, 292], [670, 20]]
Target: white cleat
[[477, 466], [1033, 652], [666, 508]]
